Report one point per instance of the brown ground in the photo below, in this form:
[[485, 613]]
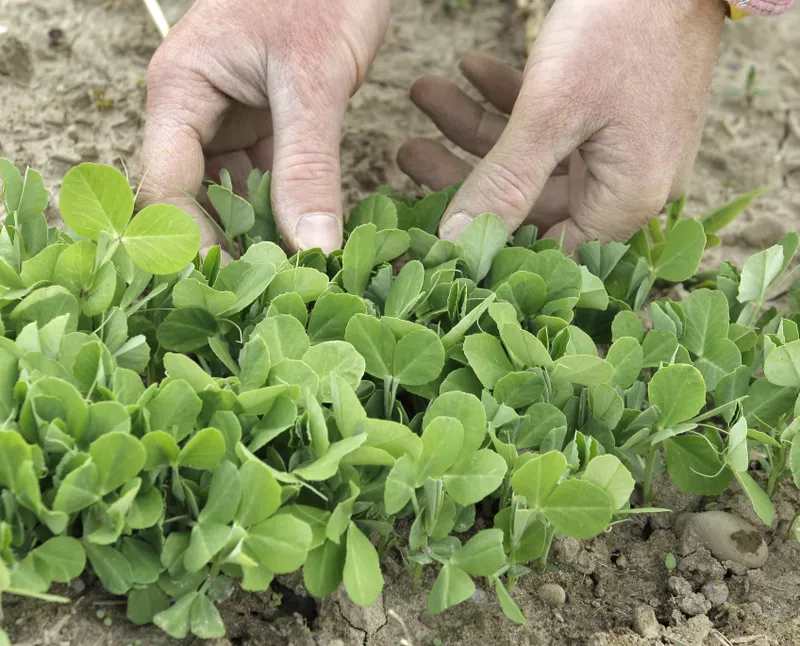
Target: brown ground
[[83, 100]]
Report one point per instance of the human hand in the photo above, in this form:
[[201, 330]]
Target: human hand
[[603, 133], [240, 84]]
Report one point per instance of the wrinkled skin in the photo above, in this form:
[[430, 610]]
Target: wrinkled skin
[[240, 84], [604, 123]]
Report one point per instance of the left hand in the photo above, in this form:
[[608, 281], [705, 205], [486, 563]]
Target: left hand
[[605, 121]]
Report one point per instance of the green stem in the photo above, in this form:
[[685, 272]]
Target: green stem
[[647, 485], [390, 386], [776, 471], [654, 227], [548, 543]]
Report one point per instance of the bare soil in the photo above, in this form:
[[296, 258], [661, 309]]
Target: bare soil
[[72, 82]]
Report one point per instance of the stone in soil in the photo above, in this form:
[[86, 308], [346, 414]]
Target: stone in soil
[[645, 622], [716, 593], [726, 536], [15, 59], [552, 594]]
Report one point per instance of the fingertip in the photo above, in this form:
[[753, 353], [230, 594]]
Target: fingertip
[[426, 88]]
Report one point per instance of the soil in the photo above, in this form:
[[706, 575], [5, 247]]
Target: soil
[[72, 78]]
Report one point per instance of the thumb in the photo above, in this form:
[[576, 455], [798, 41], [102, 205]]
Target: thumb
[[509, 180], [306, 172]]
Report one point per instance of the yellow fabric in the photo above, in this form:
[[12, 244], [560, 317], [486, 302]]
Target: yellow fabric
[[737, 14]]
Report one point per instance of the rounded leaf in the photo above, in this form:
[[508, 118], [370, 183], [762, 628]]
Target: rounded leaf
[[162, 239]]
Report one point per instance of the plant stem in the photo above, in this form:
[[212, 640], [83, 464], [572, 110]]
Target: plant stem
[[647, 485], [548, 543], [654, 227], [776, 472]]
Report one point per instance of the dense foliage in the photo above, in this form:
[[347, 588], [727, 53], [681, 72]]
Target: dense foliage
[[173, 424]]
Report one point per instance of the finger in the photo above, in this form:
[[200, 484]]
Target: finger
[[599, 212], [509, 180], [495, 80], [552, 206], [306, 184], [183, 110], [238, 165], [430, 164], [460, 118]]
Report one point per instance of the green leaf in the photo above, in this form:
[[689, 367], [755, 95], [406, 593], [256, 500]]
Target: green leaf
[[761, 502], [524, 347], [468, 410], [176, 620], [659, 346], [487, 358], [390, 244], [452, 586], [335, 358], [224, 494], [96, 198], [358, 259], [481, 240], [307, 282], [376, 209], [627, 323], [186, 330], [442, 441], [475, 476], [593, 292], [706, 319], [203, 451], [579, 509], [758, 273], [261, 494], [331, 316], [111, 567], [175, 409], [721, 216], [374, 341], [507, 605], [680, 257], [192, 293], [627, 358], [767, 403], [63, 557], [78, 490], [285, 337], [237, 214], [694, 465], [482, 555], [608, 473], [678, 391], [119, 458], [538, 477], [326, 466], [323, 569], [45, 304], [406, 290], [179, 366], [145, 603], [782, 367], [206, 541], [205, 621], [583, 369], [418, 358], [399, 485], [362, 571], [162, 239], [721, 357], [280, 543]]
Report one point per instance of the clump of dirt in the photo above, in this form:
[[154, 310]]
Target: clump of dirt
[[72, 76]]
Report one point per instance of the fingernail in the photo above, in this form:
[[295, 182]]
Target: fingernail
[[454, 226], [323, 230]]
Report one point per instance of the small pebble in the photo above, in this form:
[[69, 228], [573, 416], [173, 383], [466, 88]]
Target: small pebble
[[694, 604], [679, 586], [552, 594], [622, 562], [72, 133], [65, 156], [727, 537], [88, 151], [15, 59], [645, 622], [764, 231], [716, 593]]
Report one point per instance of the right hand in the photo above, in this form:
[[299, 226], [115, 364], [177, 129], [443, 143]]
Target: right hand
[[243, 84]]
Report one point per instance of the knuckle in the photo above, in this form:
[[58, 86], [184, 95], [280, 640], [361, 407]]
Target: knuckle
[[504, 186], [307, 167]]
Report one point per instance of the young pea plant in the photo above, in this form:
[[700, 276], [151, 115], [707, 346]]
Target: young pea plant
[[179, 427]]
